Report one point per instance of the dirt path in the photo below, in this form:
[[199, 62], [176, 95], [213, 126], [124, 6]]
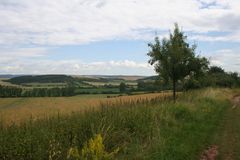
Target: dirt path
[[228, 139], [229, 142]]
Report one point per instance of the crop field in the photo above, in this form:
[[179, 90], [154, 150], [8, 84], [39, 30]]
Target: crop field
[[16, 110], [123, 128], [113, 83], [32, 85], [44, 85]]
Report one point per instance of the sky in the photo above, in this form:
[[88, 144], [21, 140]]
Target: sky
[[110, 37]]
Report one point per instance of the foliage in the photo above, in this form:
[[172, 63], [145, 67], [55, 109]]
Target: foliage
[[94, 149], [98, 90], [42, 79], [122, 87], [174, 58], [8, 91], [54, 150], [214, 77], [215, 69]]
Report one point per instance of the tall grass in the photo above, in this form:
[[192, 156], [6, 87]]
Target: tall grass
[[17, 110], [147, 129]]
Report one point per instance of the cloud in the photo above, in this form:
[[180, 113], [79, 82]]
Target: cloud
[[76, 67], [61, 22], [226, 58], [29, 29], [30, 52]]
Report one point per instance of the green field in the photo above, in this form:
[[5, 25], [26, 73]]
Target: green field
[[153, 128], [113, 83]]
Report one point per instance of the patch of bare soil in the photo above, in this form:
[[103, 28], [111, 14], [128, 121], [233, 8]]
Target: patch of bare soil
[[210, 154]]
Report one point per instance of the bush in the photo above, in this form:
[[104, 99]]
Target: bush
[[92, 150]]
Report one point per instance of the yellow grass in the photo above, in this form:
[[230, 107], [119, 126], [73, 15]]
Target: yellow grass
[[16, 110]]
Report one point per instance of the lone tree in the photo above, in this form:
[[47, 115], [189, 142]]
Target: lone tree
[[174, 59]]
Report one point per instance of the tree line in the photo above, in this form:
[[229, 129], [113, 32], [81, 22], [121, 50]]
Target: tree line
[[9, 91], [214, 77]]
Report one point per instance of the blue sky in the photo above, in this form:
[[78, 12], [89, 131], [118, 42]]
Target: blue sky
[[110, 36]]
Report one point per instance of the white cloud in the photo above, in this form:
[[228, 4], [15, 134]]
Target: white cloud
[[76, 67], [47, 23], [29, 52], [227, 58], [60, 22]]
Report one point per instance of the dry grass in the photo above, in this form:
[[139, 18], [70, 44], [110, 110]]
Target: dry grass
[[17, 110]]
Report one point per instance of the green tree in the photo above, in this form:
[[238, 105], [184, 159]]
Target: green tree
[[216, 69], [122, 87], [174, 58], [141, 85]]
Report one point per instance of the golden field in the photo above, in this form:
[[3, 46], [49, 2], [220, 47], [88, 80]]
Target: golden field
[[17, 110]]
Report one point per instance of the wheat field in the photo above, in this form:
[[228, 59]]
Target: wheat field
[[17, 110]]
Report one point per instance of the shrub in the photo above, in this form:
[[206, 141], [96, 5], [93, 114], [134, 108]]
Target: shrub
[[94, 149]]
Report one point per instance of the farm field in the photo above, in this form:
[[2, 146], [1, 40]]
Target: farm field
[[16, 110], [113, 83], [3, 81], [197, 126], [79, 85]]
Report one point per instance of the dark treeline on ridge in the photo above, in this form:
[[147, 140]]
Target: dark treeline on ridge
[[41, 79], [6, 91]]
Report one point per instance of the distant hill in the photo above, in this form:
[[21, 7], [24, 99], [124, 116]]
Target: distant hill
[[90, 79], [9, 76], [41, 79], [112, 77], [150, 78], [18, 79]]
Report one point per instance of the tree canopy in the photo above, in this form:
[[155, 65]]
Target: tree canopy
[[174, 59]]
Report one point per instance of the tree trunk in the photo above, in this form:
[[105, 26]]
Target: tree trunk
[[174, 90]]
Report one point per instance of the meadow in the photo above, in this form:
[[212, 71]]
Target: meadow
[[153, 128], [17, 110]]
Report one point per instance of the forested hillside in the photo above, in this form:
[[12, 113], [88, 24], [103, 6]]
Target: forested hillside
[[42, 79]]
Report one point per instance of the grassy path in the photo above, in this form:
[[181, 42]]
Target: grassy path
[[229, 137]]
